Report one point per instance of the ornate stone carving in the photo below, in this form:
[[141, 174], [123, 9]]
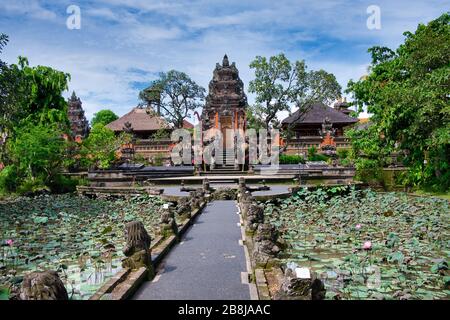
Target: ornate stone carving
[[128, 127], [294, 288], [168, 223], [79, 125], [137, 247], [44, 285], [254, 216], [246, 200], [206, 186], [226, 94], [224, 194], [183, 207], [265, 243]]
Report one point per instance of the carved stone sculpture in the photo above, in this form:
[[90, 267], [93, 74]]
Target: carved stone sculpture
[[44, 285], [183, 207], [245, 201], [254, 216], [168, 223], [294, 288], [137, 247], [265, 243], [242, 187], [224, 194], [196, 199], [206, 186]]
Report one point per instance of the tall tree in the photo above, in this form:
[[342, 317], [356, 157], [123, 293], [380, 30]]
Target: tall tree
[[280, 85], [176, 94], [407, 91], [104, 117]]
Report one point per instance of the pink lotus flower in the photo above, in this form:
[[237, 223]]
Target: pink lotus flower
[[367, 245], [358, 226], [10, 242]]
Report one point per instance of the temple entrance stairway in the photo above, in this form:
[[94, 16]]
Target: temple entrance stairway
[[225, 164]]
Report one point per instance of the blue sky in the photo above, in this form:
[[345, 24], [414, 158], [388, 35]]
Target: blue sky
[[123, 44]]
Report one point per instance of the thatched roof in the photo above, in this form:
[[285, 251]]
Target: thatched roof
[[317, 114], [141, 121]]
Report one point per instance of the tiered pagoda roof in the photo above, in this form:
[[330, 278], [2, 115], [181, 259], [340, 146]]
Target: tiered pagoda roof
[[226, 90], [79, 125]]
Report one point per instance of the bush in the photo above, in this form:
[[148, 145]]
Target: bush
[[8, 179], [368, 170], [62, 184], [343, 153], [314, 156], [158, 160], [30, 185], [291, 159]]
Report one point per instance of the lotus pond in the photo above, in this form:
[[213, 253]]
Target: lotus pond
[[80, 237], [365, 244]]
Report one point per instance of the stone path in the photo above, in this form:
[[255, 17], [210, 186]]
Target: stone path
[[209, 263]]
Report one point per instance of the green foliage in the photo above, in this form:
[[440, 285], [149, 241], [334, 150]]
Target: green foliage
[[8, 179], [43, 101], [407, 93], [104, 117], [291, 159], [158, 159], [34, 118], [314, 156], [62, 184], [99, 147], [326, 229], [176, 94], [280, 84], [161, 134], [82, 236], [37, 153], [343, 153]]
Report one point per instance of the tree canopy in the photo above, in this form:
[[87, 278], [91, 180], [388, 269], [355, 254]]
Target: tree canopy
[[281, 85], [104, 117], [176, 94], [407, 91]]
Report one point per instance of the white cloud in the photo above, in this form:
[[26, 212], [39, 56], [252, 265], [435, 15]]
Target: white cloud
[[30, 8], [191, 36]]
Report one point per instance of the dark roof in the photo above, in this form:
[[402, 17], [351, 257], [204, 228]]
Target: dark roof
[[317, 114]]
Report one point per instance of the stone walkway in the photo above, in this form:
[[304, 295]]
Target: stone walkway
[[208, 264]]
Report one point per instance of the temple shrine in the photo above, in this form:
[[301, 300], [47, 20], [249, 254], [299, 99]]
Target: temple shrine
[[226, 102], [79, 125]]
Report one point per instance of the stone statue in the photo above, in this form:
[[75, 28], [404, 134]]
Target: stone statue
[[168, 223], [44, 285], [224, 194], [183, 207], [246, 200], [128, 128], [294, 288], [137, 247], [242, 186], [206, 186], [265, 243], [254, 216]]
